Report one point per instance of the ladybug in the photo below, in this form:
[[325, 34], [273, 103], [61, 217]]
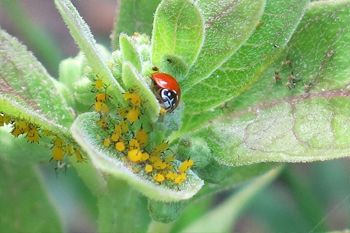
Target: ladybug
[[168, 93]]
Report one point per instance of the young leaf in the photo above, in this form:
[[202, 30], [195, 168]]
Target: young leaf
[[245, 66], [27, 91], [178, 29], [228, 23], [129, 53], [88, 134], [83, 37], [25, 205], [309, 122]]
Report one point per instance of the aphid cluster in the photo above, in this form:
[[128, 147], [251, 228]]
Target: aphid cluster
[[292, 79], [33, 134], [130, 140]]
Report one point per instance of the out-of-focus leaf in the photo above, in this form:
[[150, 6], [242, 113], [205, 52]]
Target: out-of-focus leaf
[[223, 217], [24, 204]]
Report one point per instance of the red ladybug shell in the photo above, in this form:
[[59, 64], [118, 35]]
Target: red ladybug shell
[[167, 82]]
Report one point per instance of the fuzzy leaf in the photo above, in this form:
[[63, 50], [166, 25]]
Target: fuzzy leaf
[[27, 90], [133, 16], [310, 122], [129, 52], [246, 65], [25, 205], [89, 135], [228, 23], [178, 29], [83, 37]]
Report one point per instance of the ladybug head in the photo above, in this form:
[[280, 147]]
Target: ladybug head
[[168, 99]]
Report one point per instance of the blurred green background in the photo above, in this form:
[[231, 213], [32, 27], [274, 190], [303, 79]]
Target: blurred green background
[[305, 198]]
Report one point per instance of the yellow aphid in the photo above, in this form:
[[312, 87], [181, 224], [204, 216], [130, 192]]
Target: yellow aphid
[[145, 156], [124, 126], [118, 129], [163, 111], [103, 123], [120, 146], [57, 153], [135, 155], [2, 120], [22, 126], [158, 177], [152, 159], [124, 159], [110, 64], [141, 136], [187, 164], [123, 112], [107, 142], [161, 147], [133, 114], [101, 97], [99, 84], [180, 178], [134, 144], [78, 155], [171, 175], [169, 166], [115, 137], [101, 107], [33, 135], [46, 133], [156, 154], [16, 132], [58, 142], [133, 97], [69, 150], [169, 159], [158, 164], [148, 168]]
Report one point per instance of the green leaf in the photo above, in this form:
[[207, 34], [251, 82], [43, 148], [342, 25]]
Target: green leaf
[[228, 24], [25, 205], [27, 91], [132, 79], [83, 37], [178, 29], [129, 52], [133, 16], [247, 64], [90, 136], [310, 122], [223, 217]]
